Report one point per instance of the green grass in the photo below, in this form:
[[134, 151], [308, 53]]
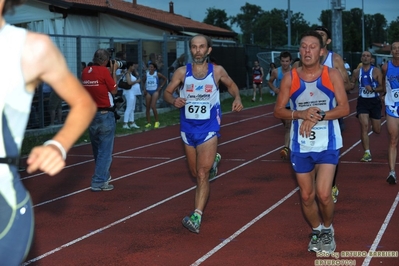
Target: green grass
[[167, 119]]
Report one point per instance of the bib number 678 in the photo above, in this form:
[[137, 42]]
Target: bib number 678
[[197, 108]]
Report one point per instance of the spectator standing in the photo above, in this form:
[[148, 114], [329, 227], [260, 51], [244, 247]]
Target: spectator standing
[[257, 80], [152, 58], [272, 66], [152, 90], [200, 118], [54, 106], [21, 73], [101, 86], [369, 80], [46, 90], [390, 83], [347, 67], [83, 66], [118, 98], [132, 78], [159, 63], [315, 135], [179, 62]]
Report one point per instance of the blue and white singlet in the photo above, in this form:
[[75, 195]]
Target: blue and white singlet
[[326, 134], [366, 78], [392, 89], [202, 112]]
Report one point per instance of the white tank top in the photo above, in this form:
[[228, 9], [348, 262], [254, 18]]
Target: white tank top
[[15, 100], [15, 106], [329, 60], [151, 81]]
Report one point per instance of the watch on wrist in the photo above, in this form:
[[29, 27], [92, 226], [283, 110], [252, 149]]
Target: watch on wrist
[[322, 113]]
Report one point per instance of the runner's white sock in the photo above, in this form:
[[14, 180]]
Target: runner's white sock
[[317, 228]]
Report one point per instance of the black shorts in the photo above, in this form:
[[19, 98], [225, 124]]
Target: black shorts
[[370, 106]]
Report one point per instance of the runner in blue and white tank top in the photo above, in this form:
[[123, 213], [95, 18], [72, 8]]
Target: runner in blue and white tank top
[[325, 135], [392, 90], [317, 96], [202, 112], [369, 106], [200, 118], [390, 82]]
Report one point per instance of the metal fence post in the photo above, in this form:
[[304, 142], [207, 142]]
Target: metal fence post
[[79, 56], [140, 61], [41, 106]]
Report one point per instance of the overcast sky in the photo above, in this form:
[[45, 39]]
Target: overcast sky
[[311, 9]]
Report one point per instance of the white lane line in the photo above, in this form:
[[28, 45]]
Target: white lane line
[[114, 179], [384, 226], [145, 146], [121, 152], [242, 229], [106, 227], [150, 167], [139, 212]]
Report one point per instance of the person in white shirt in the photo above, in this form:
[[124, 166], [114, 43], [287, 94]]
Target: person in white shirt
[[132, 78]]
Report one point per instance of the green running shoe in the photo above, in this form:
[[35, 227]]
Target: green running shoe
[[192, 223], [214, 170]]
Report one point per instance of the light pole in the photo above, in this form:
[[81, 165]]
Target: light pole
[[289, 23], [363, 42]]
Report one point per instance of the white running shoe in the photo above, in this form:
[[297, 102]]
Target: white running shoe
[[134, 125]]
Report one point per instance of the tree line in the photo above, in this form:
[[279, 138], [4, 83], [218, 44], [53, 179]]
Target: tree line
[[269, 28]]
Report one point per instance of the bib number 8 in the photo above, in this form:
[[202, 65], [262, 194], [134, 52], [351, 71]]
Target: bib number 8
[[312, 135]]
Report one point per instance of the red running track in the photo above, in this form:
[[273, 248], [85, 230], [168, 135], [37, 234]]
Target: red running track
[[253, 216]]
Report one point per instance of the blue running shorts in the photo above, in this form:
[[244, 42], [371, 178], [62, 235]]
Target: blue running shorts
[[151, 92], [196, 139], [305, 162]]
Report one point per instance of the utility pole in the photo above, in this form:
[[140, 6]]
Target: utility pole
[[363, 42], [336, 10], [289, 23]]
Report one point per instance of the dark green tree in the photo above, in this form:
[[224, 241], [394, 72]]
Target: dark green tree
[[393, 31], [298, 26], [246, 20], [217, 17], [269, 28], [374, 26], [352, 31], [377, 30]]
